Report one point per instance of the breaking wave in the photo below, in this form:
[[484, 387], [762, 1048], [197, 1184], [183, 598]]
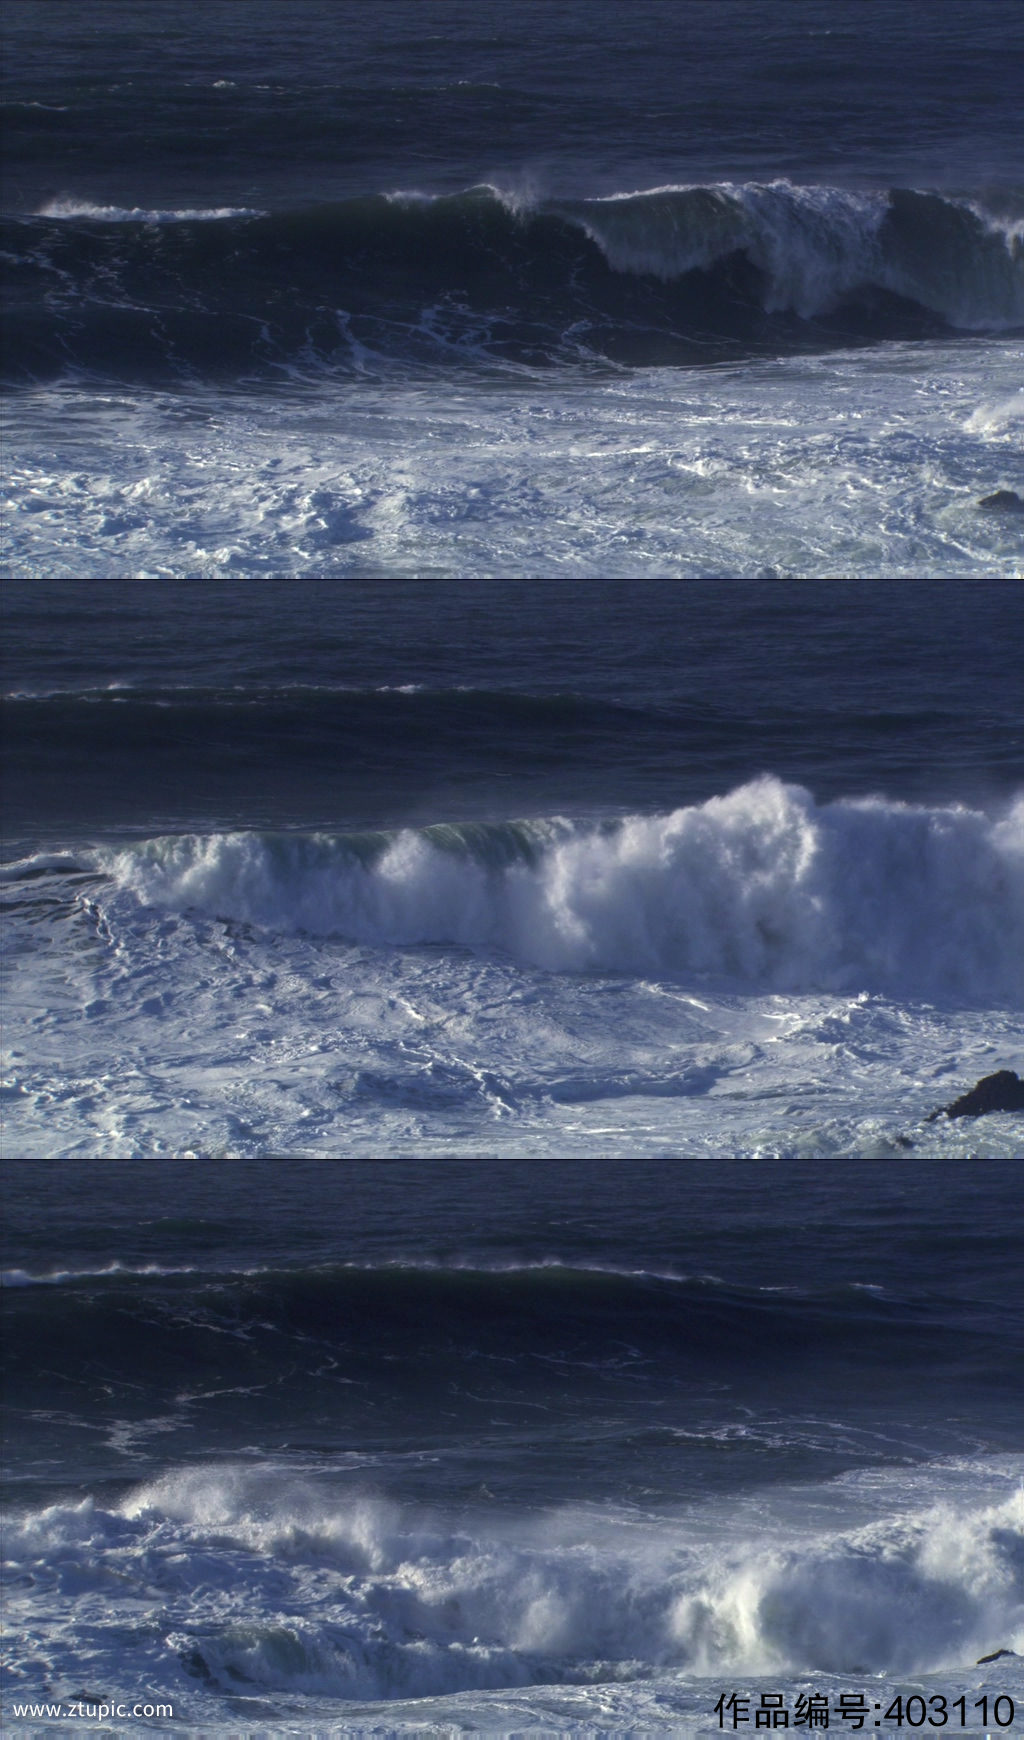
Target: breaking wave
[[669, 275], [764, 887], [815, 246], [266, 1583], [63, 206]]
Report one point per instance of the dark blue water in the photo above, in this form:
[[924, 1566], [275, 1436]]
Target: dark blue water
[[144, 709], [460, 250], [292, 135], [310, 1307], [161, 108], [375, 1431]]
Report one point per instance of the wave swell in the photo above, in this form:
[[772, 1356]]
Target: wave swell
[[763, 887], [670, 275], [426, 1320], [360, 1350]]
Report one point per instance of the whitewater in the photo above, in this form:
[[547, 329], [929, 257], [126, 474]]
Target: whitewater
[[520, 869], [758, 973], [756, 886], [491, 1447], [581, 1616], [868, 461]]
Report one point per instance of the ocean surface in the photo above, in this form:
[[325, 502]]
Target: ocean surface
[[464, 288], [430, 869], [499, 1446], [629, 868]]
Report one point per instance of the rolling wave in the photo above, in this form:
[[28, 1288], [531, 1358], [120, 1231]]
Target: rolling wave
[[512, 1331], [669, 275], [268, 1583], [763, 887]]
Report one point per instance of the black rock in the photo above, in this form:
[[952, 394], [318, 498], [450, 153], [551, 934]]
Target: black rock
[[1002, 1092], [996, 1653], [1005, 501]]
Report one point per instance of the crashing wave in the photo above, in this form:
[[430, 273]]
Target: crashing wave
[[668, 275], [815, 246], [764, 887], [382, 1601]]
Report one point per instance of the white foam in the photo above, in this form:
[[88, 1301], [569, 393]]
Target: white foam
[[518, 195], [779, 469], [764, 888], [37, 864], [271, 1580], [60, 1277], [65, 206], [817, 244], [813, 243], [139, 1031], [1010, 230], [998, 417]]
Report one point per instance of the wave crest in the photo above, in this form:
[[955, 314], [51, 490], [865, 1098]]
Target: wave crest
[[670, 275], [65, 206], [815, 246], [384, 1601], [763, 887]]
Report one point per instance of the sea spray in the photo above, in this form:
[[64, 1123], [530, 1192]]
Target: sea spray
[[484, 278], [362, 1598], [763, 887]]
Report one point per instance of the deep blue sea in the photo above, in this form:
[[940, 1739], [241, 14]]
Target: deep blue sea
[[393, 974], [513, 1447], [635, 288]]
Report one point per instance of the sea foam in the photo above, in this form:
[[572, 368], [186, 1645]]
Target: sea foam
[[764, 887], [63, 205], [817, 245], [303, 1591]]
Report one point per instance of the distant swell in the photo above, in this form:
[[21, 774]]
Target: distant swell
[[393, 1337], [672, 275], [764, 887]]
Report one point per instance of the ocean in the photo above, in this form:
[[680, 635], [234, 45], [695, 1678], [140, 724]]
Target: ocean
[[456, 288], [510, 868], [588, 1448]]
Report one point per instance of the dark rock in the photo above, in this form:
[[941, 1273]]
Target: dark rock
[[1005, 501], [1002, 1092], [996, 1653]]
